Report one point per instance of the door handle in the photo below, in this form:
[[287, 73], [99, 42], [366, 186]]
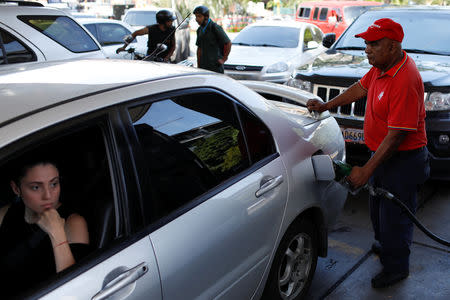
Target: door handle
[[122, 281], [269, 185]]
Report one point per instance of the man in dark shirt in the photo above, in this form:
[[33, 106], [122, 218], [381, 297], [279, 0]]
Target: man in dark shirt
[[157, 34], [213, 44]]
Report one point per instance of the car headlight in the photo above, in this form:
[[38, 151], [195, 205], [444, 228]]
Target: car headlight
[[278, 67], [438, 101], [300, 84]]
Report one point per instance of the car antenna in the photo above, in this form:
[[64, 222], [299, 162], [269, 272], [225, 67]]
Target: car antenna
[[150, 56]]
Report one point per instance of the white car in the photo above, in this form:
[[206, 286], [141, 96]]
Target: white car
[[110, 34], [30, 32], [272, 50], [141, 17], [192, 185]]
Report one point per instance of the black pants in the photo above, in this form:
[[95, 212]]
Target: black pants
[[401, 175]]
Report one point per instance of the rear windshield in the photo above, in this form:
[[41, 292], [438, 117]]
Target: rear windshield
[[140, 18], [62, 30], [268, 36]]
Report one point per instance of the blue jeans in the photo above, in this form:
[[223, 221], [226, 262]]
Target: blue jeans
[[401, 175]]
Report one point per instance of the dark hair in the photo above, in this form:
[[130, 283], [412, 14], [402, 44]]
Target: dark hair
[[203, 10], [23, 164]]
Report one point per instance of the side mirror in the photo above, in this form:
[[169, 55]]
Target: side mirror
[[312, 45], [323, 167], [329, 39]]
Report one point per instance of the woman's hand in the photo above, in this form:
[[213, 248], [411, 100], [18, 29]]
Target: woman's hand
[[51, 222]]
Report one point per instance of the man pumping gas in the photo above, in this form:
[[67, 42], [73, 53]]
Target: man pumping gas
[[157, 34]]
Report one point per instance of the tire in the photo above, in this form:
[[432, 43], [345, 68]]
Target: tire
[[294, 264]]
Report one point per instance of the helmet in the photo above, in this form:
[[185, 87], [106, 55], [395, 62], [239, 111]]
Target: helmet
[[203, 10], [164, 15]]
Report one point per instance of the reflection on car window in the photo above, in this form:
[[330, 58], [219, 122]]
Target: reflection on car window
[[323, 14], [275, 36], [27, 259], [62, 30], [16, 52], [141, 18], [111, 34], [190, 144]]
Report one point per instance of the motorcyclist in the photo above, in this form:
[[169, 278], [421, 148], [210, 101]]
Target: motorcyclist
[[157, 33]]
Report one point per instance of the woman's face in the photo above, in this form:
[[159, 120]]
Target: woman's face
[[40, 188]]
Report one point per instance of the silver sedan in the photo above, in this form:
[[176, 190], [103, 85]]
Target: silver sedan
[[192, 185]]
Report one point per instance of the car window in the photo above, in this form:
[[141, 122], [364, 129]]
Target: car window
[[62, 30], [269, 36], [85, 182], [140, 18], [111, 34], [304, 12], [316, 13], [93, 30], [192, 143], [323, 14], [15, 50]]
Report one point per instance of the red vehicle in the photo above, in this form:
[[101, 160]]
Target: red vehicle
[[332, 16]]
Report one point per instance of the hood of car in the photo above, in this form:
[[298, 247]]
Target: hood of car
[[354, 64], [298, 114], [259, 56]]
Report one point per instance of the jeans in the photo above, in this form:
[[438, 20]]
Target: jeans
[[401, 175]]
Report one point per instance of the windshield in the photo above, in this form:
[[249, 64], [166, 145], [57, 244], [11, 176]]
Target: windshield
[[140, 18], [352, 12], [424, 31], [268, 36]]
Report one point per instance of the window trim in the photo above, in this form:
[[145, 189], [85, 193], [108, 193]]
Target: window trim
[[33, 54]]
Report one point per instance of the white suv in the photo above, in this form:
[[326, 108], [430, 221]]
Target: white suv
[[30, 32]]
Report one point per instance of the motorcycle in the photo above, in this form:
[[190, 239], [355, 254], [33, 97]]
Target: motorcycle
[[139, 56]]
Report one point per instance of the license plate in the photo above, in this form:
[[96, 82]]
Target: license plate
[[353, 135]]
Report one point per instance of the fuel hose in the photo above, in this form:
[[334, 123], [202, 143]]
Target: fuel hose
[[342, 170], [412, 217]]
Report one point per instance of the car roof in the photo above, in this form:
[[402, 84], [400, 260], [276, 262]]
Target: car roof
[[100, 20], [150, 8], [30, 87], [10, 11]]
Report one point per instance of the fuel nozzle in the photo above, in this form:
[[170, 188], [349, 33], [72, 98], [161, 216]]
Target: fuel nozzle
[[341, 170]]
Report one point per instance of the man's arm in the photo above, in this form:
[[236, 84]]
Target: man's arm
[[133, 36], [353, 93], [360, 175], [199, 55], [171, 49], [226, 51]]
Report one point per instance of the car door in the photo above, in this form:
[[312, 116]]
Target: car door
[[311, 40], [216, 192], [17, 48], [98, 186]]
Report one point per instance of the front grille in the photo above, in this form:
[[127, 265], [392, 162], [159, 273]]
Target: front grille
[[243, 68], [355, 110]]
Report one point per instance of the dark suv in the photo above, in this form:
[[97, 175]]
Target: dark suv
[[427, 41]]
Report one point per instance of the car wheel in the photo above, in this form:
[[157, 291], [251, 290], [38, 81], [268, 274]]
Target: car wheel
[[294, 263]]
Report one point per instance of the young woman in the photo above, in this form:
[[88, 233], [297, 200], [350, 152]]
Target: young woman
[[39, 235]]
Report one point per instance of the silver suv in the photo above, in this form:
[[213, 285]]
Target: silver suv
[[30, 32]]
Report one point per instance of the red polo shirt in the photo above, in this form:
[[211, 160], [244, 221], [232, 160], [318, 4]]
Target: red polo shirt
[[395, 101]]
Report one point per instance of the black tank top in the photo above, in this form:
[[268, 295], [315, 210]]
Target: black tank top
[[26, 253]]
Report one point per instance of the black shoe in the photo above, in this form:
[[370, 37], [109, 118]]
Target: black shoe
[[376, 248], [385, 279]]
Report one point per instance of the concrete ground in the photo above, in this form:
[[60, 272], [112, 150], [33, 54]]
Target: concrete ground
[[350, 265]]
